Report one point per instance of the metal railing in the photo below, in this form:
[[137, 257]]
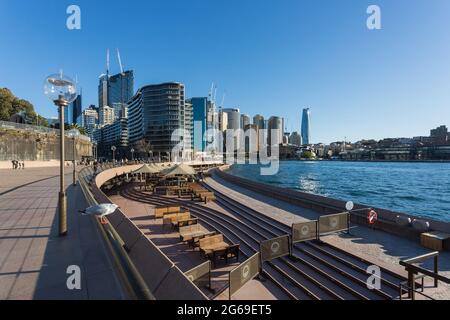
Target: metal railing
[[130, 276], [413, 270]]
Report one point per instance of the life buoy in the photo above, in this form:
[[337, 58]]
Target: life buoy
[[372, 217]]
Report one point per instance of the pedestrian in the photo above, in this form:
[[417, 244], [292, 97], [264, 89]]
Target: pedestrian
[[18, 164], [12, 163], [23, 165]]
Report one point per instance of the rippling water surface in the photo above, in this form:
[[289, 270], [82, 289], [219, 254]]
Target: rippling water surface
[[421, 189]]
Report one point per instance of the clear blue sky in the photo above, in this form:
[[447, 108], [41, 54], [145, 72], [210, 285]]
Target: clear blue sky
[[271, 57]]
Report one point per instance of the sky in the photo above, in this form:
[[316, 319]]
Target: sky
[[272, 57]]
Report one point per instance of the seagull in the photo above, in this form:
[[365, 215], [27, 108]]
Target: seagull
[[101, 211]]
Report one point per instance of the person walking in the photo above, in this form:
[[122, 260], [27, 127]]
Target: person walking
[[23, 165]]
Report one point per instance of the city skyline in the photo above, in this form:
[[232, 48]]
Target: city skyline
[[347, 97]]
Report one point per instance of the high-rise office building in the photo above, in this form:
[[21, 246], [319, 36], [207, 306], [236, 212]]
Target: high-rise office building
[[89, 119], [154, 113], [275, 137], [306, 126], [106, 116], [258, 121], [72, 113], [118, 88], [295, 139], [206, 122], [200, 116], [223, 121], [234, 118], [245, 121]]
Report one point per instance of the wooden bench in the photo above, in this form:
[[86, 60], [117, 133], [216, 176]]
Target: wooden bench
[[169, 219], [184, 223], [160, 211], [194, 242], [435, 240], [232, 252], [209, 244], [188, 232], [207, 196]]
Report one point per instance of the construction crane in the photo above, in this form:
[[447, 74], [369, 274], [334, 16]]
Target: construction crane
[[120, 61]]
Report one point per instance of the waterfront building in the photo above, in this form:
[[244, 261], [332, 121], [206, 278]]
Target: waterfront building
[[258, 120], [440, 135], [245, 120], [189, 125], [295, 139], [234, 118], [154, 113], [200, 117], [306, 126], [223, 121], [275, 137], [114, 134]]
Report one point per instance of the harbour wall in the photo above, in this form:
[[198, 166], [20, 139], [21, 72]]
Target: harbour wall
[[387, 220]]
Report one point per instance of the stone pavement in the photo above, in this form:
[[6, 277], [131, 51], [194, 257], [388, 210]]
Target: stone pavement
[[33, 259]]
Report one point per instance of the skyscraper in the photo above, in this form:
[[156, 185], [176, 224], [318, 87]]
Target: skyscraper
[[234, 118], [154, 113], [275, 138], [245, 121], [306, 126], [72, 113], [258, 120]]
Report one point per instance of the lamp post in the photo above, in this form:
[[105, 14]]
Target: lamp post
[[113, 149], [62, 91], [132, 154], [74, 133], [94, 145]]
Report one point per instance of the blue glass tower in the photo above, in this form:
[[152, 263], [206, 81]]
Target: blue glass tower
[[200, 113], [306, 126]]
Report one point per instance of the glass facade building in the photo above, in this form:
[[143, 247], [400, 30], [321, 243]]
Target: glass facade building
[[306, 126], [155, 112]]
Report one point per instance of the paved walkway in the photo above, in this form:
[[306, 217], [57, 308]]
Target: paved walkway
[[379, 247], [33, 259]]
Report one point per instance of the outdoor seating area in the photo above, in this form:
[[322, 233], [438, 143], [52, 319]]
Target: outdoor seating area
[[198, 192]]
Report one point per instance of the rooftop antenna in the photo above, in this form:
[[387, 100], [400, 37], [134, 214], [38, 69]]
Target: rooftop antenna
[[215, 94], [223, 100], [120, 61], [107, 62], [211, 91]]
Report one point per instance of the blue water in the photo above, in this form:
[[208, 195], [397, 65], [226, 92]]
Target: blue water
[[420, 189]]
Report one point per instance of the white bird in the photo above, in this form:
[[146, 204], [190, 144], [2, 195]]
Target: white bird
[[101, 211]]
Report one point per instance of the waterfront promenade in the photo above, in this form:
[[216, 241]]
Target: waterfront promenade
[[33, 259], [381, 248]]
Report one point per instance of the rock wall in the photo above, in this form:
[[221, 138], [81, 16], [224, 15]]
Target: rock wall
[[32, 146]]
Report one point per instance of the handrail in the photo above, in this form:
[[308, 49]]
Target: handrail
[[130, 276], [412, 269]]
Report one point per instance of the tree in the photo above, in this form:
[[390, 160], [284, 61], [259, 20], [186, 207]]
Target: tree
[[76, 126], [11, 105], [143, 147]]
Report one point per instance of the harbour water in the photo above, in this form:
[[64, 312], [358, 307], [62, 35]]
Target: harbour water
[[420, 189]]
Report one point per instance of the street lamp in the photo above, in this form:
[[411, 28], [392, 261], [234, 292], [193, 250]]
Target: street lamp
[[62, 91], [94, 145], [74, 133], [132, 154], [113, 149]]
